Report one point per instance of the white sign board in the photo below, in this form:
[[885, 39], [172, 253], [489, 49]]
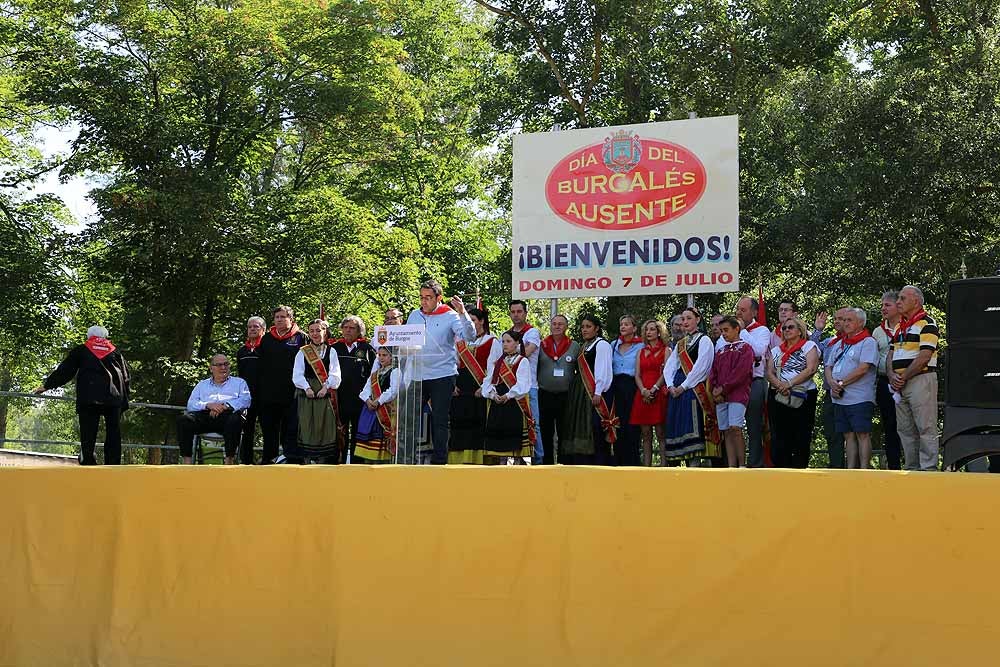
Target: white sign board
[[400, 335], [630, 210]]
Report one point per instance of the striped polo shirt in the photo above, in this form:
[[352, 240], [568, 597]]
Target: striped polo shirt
[[922, 335]]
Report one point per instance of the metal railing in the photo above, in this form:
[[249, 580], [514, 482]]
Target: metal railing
[[20, 394], [154, 453]]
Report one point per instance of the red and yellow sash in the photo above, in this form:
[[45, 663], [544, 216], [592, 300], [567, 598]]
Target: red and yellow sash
[[470, 361], [702, 393], [609, 420], [386, 414], [509, 376], [319, 368]]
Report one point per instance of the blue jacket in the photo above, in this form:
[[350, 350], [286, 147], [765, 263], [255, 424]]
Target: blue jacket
[[439, 357]]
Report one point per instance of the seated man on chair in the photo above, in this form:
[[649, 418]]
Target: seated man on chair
[[217, 405]]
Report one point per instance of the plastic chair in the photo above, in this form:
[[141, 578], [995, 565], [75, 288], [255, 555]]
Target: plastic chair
[[209, 449]]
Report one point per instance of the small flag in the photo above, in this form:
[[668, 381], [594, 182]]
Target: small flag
[[766, 426], [761, 308]]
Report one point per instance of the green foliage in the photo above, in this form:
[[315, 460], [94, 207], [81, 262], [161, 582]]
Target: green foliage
[[276, 151]]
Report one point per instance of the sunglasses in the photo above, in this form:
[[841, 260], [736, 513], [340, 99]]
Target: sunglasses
[[789, 327]]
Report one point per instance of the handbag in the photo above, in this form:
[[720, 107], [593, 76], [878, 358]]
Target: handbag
[[796, 397]]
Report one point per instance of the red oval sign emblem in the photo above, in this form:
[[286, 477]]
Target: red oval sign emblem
[[625, 183]]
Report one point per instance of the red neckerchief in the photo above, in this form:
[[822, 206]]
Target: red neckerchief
[[632, 341], [653, 348], [904, 325], [886, 329], [440, 310], [553, 352], [753, 325], [331, 341], [101, 347], [787, 352], [856, 338], [291, 332], [836, 339], [253, 343], [526, 327]]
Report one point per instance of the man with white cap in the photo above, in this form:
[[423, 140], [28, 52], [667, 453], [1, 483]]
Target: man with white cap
[[102, 386]]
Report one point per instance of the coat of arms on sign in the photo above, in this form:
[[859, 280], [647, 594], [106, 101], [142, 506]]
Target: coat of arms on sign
[[622, 151]]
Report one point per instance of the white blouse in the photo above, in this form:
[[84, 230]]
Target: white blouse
[[496, 351], [332, 370], [702, 366], [602, 364], [395, 379], [520, 388]]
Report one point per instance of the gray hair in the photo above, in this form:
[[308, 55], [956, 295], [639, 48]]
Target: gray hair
[[98, 331], [357, 320], [564, 318], [861, 314], [891, 295], [287, 310], [258, 319], [917, 292]]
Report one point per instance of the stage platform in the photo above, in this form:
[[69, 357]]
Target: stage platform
[[474, 567]]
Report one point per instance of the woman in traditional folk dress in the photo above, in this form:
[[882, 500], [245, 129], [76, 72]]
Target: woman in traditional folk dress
[[649, 407], [316, 376], [692, 429], [468, 407], [376, 441], [509, 424], [590, 411]]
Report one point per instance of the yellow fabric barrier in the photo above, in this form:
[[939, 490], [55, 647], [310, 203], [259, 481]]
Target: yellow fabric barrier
[[496, 566]]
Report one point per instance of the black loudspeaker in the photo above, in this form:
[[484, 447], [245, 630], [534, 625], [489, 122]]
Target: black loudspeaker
[[974, 310], [973, 375], [972, 367]]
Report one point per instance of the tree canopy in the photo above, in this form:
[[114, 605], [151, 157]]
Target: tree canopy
[[256, 152]]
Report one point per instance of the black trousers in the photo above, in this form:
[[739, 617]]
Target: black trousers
[[350, 415], [791, 431], [438, 392], [90, 416], [627, 444], [249, 431], [602, 448], [887, 413], [552, 411], [279, 422], [190, 424]]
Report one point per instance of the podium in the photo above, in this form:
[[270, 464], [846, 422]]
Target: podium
[[413, 442]]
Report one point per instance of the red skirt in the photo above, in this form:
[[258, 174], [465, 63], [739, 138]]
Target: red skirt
[[653, 413]]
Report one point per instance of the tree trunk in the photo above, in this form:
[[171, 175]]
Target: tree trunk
[[207, 324], [5, 384], [185, 328]]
